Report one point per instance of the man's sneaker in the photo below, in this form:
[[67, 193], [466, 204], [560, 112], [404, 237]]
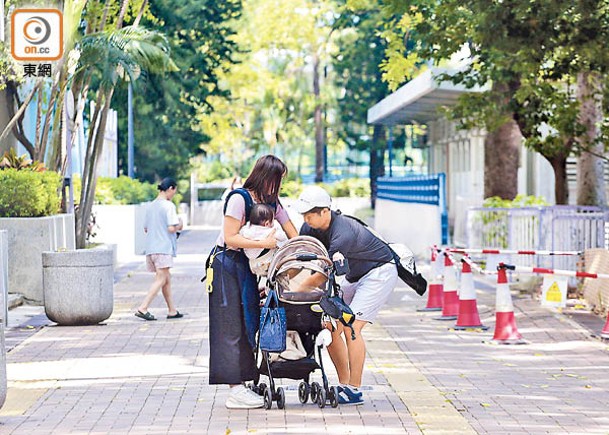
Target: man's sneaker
[[243, 398], [346, 396]]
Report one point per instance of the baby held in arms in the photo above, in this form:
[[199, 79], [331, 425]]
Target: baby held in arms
[[262, 222]]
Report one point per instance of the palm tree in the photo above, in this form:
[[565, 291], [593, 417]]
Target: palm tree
[[109, 56]]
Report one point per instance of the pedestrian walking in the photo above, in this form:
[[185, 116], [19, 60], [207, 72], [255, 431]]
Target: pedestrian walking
[[161, 226], [234, 311], [366, 286]]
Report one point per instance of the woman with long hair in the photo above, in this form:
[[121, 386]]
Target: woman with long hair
[[234, 310]]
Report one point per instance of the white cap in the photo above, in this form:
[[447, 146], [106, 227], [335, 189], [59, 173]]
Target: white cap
[[311, 197]]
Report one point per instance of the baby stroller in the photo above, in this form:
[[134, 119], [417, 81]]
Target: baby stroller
[[298, 259]]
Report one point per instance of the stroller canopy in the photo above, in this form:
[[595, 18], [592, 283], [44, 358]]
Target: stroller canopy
[[287, 271]]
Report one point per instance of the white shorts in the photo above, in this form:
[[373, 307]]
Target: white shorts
[[369, 294]]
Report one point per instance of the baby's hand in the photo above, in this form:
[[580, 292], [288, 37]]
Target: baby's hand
[[270, 241], [262, 292]]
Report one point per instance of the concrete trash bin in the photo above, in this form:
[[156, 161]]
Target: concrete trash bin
[[78, 286]]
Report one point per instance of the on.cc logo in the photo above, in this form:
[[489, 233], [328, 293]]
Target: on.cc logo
[[36, 30], [37, 34]]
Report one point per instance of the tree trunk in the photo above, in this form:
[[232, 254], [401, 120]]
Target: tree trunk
[[140, 13], [89, 176], [501, 156], [121, 14], [319, 133], [590, 168], [8, 142], [561, 185], [16, 117], [377, 161]]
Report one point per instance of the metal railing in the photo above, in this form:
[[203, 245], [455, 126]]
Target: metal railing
[[564, 228]]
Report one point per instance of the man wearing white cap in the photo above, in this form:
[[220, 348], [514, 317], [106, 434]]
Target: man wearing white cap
[[366, 287]]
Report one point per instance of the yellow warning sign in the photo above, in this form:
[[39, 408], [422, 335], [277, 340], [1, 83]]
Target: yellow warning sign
[[554, 294], [554, 291]]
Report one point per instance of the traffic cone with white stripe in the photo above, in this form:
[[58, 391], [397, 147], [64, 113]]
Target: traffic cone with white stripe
[[450, 302], [468, 310], [506, 331], [436, 283]]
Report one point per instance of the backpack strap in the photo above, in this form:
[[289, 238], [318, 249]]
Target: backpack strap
[[249, 201]]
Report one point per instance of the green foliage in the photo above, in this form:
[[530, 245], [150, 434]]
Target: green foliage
[[495, 221], [10, 160], [124, 190], [272, 100], [350, 187], [526, 54], [213, 171], [202, 44], [291, 188], [519, 201], [28, 193], [10, 71], [357, 72], [120, 190]]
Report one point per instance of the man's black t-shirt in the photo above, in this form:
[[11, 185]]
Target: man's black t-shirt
[[360, 247]]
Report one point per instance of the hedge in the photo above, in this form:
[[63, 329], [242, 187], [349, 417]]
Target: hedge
[[29, 194]]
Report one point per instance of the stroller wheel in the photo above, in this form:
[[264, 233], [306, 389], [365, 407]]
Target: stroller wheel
[[262, 389], [333, 396], [303, 392], [315, 388], [321, 398], [268, 399], [280, 398]]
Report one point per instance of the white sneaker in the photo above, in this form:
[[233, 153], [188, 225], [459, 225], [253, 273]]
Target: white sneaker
[[243, 398]]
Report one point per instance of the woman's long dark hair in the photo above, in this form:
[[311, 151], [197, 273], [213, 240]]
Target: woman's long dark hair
[[265, 178]]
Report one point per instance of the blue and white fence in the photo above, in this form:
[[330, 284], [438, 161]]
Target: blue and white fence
[[412, 210]]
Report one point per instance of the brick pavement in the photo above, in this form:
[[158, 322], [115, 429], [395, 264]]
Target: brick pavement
[[136, 377]]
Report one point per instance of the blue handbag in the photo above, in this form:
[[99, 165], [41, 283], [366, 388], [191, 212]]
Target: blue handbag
[[273, 325]]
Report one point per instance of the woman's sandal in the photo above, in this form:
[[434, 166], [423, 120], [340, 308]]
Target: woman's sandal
[[145, 316], [177, 315]]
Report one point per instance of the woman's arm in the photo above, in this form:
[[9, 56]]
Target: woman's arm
[[289, 229], [235, 240]]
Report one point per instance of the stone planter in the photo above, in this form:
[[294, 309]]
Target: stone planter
[[4, 274], [3, 310], [27, 239], [3, 385], [78, 286]]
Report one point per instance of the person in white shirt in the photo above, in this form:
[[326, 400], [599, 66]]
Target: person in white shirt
[[161, 227], [262, 222]]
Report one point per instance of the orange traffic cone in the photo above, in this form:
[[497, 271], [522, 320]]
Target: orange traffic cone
[[450, 303], [605, 331], [436, 283], [506, 331], [468, 309]]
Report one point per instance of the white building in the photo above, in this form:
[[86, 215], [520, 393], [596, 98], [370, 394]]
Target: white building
[[457, 153]]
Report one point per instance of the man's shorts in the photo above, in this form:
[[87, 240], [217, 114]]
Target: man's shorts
[[369, 294], [158, 261]]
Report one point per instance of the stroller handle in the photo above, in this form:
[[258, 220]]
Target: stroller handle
[[307, 257]]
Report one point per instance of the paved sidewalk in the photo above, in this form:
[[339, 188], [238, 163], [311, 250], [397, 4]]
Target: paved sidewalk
[[136, 377]]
